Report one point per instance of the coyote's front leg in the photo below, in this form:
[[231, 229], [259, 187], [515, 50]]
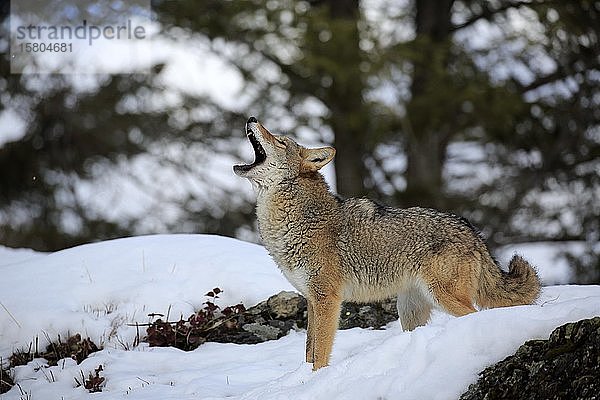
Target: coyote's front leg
[[322, 327], [310, 335]]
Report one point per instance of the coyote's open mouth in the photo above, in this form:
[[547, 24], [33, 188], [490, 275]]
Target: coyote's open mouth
[[259, 152]]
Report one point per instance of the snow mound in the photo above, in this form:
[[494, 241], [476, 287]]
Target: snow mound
[[96, 289]]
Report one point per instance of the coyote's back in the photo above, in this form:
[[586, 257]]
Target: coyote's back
[[423, 250]]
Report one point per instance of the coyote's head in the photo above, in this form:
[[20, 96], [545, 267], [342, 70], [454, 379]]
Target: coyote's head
[[278, 157]]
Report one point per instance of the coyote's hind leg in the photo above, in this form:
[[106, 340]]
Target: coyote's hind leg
[[414, 306]]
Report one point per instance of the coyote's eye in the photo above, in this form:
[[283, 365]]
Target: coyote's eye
[[281, 143]]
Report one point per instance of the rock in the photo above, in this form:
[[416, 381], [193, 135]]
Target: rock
[[265, 332], [566, 366], [375, 315], [286, 304], [285, 311], [268, 320]]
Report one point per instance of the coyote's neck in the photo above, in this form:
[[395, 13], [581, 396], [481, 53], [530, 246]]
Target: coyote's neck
[[306, 189], [293, 215]]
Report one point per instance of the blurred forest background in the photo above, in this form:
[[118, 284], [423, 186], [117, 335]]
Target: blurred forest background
[[489, 109]]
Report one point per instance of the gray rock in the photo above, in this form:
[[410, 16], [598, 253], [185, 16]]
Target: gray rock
[[265, 332], [375, 315], [274, 318], [566, 366], [286, 304]]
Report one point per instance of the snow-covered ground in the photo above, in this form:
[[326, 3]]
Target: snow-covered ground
[[98, 289]]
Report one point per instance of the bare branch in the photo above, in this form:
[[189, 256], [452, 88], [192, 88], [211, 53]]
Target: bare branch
[[490, 12], [562, 72]]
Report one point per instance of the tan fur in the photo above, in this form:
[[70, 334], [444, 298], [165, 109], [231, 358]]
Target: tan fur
[[335, 250]]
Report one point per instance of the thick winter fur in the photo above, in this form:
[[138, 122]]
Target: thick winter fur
[[333, 250]]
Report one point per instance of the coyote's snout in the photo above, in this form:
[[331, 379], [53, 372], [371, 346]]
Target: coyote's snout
[[333, 249]]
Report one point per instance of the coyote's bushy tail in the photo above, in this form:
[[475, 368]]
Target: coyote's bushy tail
[[520, 285]]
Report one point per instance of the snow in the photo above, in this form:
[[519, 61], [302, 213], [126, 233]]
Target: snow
[[97, 289], [12, 256]]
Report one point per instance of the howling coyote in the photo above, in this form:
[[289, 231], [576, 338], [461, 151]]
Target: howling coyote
[[333, 249]]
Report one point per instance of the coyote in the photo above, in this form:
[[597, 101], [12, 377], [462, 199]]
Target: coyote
[[333, 249]]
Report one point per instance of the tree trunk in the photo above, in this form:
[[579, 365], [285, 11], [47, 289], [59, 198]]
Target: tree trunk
[[343, 96], [349, 166], [427, 137]]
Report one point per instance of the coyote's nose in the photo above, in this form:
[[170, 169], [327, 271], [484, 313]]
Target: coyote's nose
[[251, 119]]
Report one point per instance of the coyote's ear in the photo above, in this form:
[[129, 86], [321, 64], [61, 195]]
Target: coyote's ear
[[315, 159]]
